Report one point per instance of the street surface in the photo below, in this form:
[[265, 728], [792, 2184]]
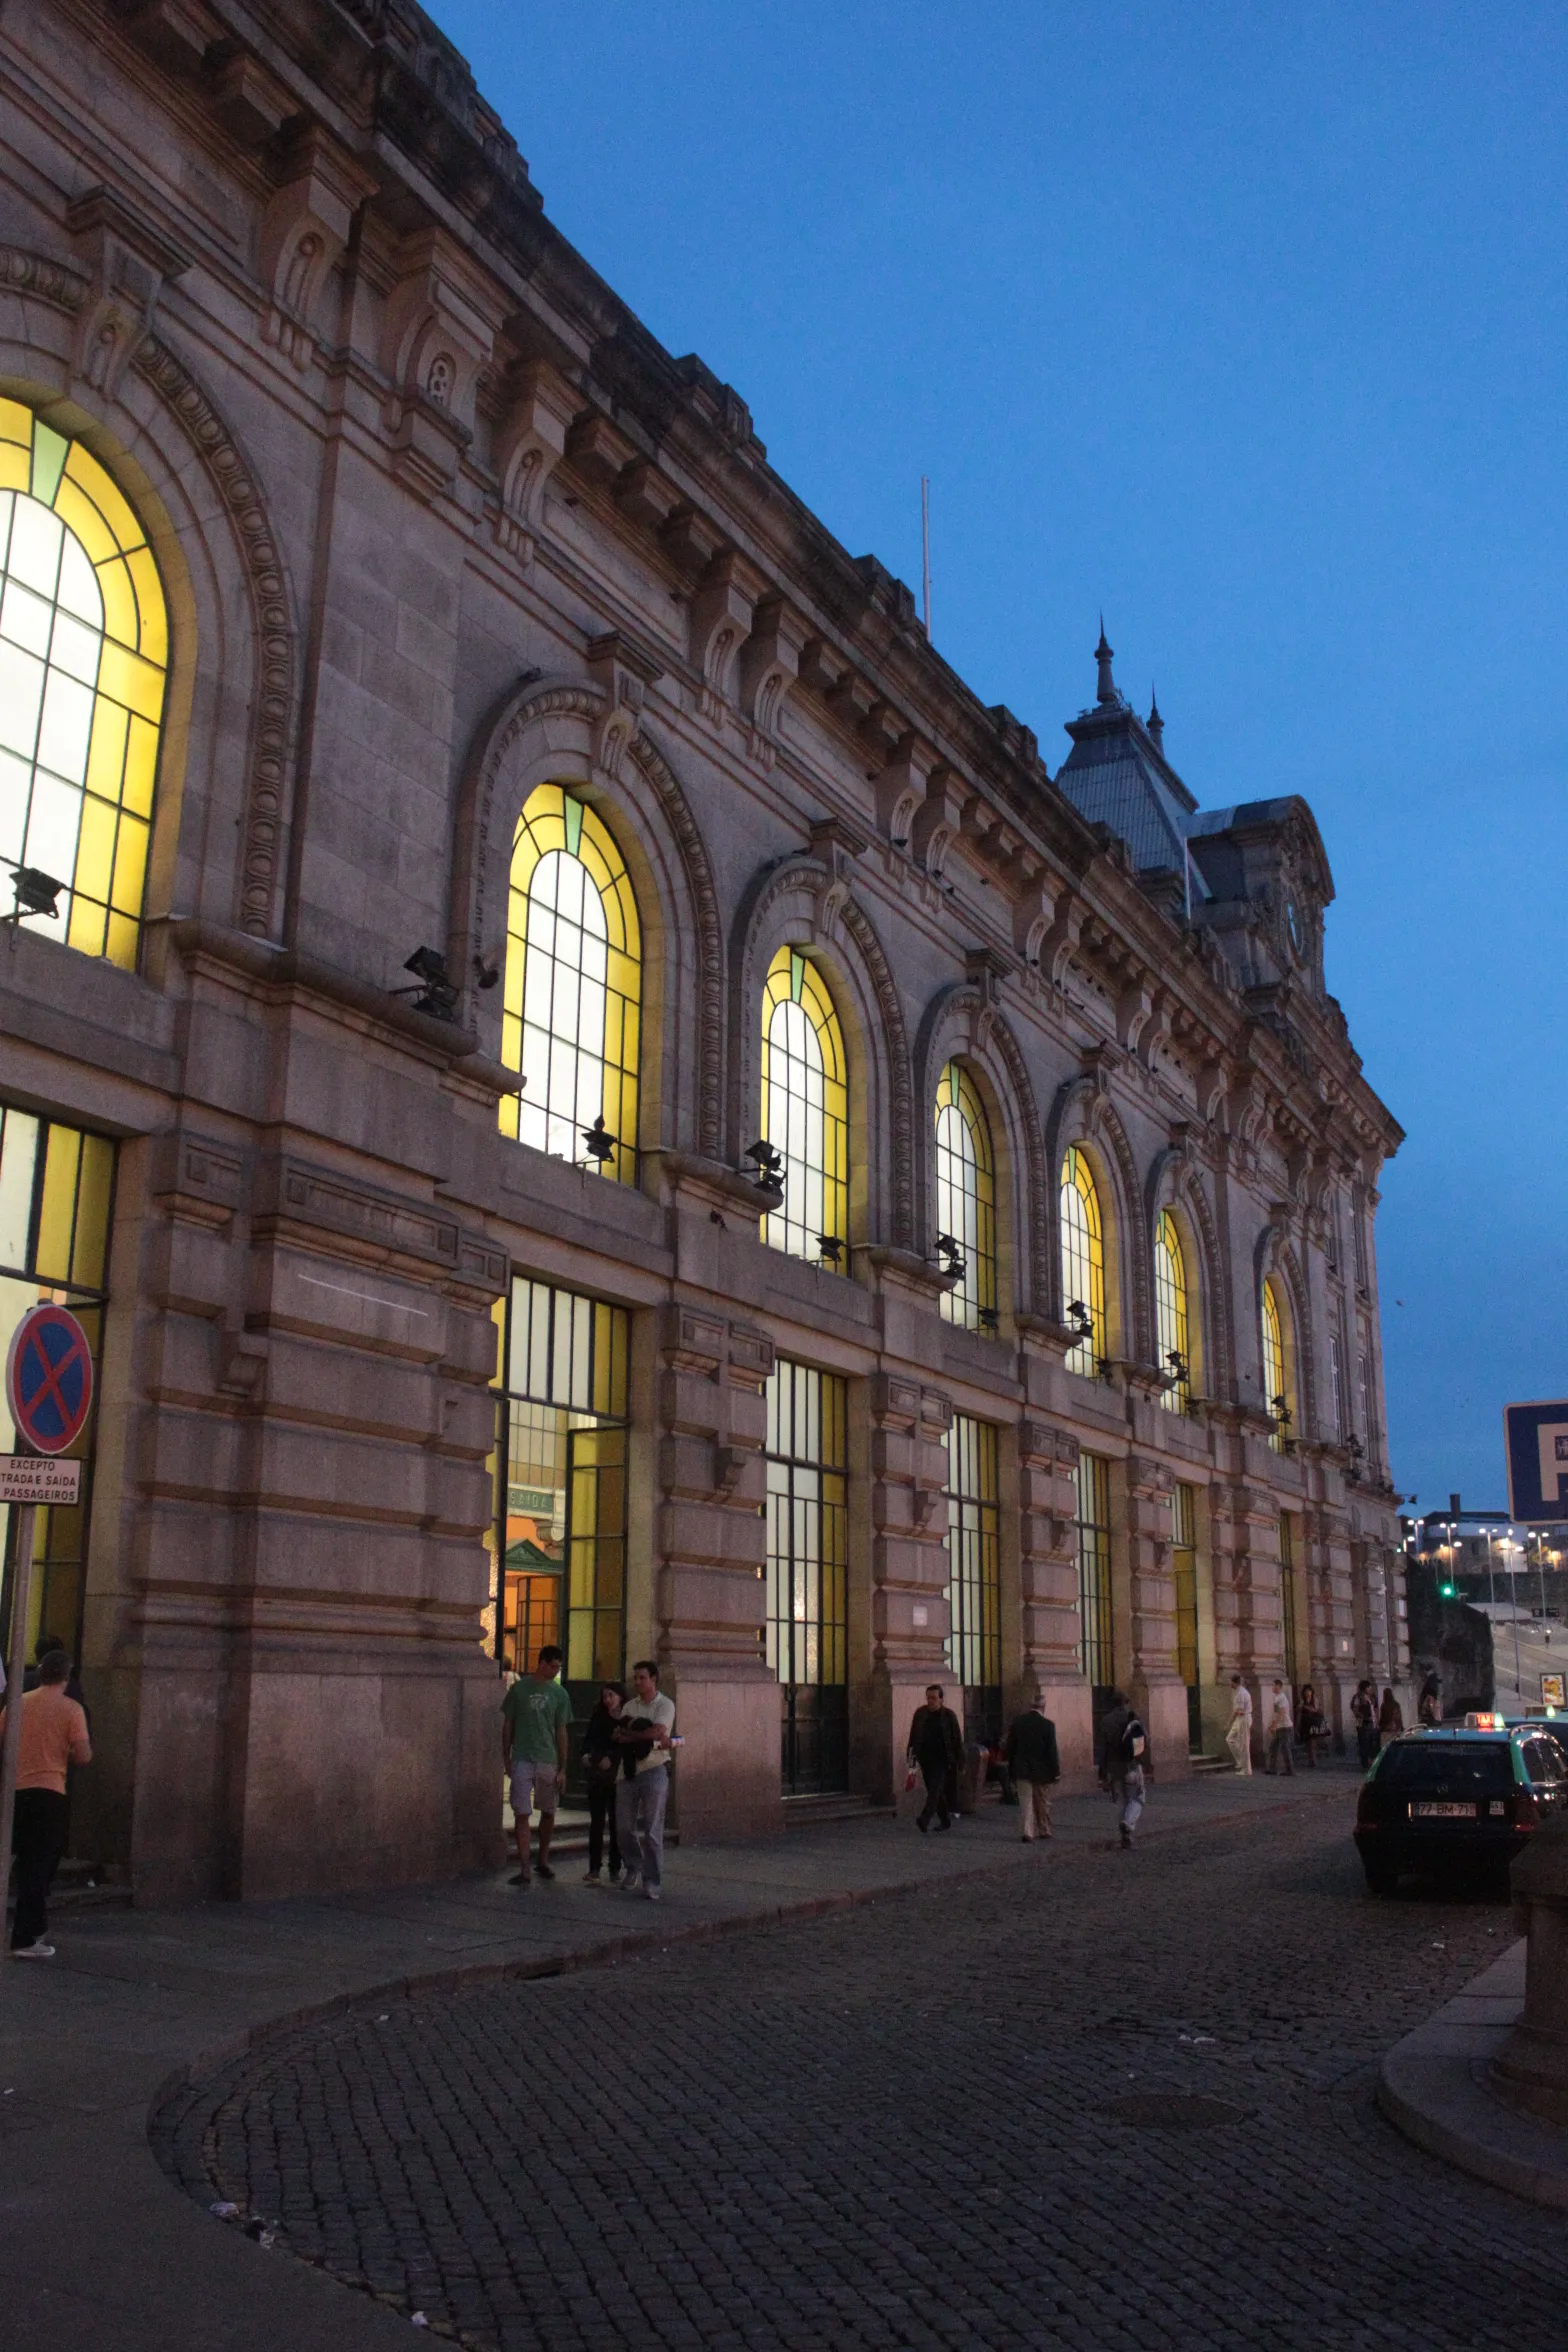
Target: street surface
[[1098, 2100]]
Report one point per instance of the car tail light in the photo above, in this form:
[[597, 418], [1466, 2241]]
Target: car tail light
[[1527, 1813], [1366, 1810]]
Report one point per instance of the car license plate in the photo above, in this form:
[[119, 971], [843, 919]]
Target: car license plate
[[1428, 1812]]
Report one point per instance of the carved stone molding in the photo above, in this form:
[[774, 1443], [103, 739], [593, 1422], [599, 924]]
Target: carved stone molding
[[274, 702]]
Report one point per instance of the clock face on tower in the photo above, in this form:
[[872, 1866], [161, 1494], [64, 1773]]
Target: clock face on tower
[[1296, 928]]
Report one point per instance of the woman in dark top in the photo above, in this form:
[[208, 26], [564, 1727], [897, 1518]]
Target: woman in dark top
[[601, 1769], [1311, 1725], [1390, 1718]]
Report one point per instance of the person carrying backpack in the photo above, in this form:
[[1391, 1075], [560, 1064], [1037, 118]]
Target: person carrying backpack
[[1124, 1762]]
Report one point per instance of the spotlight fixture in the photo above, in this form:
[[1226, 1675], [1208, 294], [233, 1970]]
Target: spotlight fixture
[[1080, 1322], [988, 1318], [435, 993], [952, 1256], [598, 1142], [1179, 1366], [36, 893], [831, 1247], [485, 975], [767, 1161]]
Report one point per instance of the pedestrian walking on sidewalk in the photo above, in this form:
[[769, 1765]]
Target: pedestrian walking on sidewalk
[[1124, 1758], [53, 1736], [1281, 1729], [602, 1760], [1429, 1706], [536, 1720], [1029, 1753], [1311, 1723], [936, 1748], [1363, 1714], [643, 1737], [1390, 1719], [1238, 1735]]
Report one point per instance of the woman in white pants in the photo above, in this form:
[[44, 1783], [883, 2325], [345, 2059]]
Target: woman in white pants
[[1239, 1736]]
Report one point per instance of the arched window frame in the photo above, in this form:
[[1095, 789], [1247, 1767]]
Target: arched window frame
[[84, 660], [966, 1198], [1083, 1259], [805, 1110], [1173, 1316], [578, 1072], [1277, 1364]]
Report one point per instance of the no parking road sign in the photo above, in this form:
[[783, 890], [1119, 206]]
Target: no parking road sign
[[49, 1379], [1536, 1439]]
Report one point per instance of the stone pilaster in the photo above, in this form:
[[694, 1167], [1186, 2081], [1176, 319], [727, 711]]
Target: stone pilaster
[[1153, 1674], [711, 1597], [909, 1571], [1333, 1669], [1048, 1551]]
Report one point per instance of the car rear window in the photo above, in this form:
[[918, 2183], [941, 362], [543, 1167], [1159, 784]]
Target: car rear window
[[1460, 1768]]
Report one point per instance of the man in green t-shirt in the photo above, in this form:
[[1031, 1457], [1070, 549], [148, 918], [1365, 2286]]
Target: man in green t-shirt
[[536, 1716]]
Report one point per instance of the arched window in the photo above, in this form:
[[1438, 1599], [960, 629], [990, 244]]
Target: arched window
[[573, 1004], [966, 1199], [1277, 1398], [1170, 1314], [1083, 1262], [805, 1110], [84, 650]]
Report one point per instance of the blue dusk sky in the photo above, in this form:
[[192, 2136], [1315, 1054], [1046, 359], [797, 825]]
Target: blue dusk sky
[[1246, 324]]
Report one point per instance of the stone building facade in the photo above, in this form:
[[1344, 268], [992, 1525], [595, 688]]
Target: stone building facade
[[831, 1205]]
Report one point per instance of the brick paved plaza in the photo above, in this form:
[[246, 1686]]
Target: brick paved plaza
[[1093, 2100]]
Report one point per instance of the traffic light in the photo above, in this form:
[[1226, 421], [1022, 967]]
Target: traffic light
[[1447, 1591]]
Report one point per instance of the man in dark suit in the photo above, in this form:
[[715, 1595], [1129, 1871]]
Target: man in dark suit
[[1030, 1756], [936, 1745]]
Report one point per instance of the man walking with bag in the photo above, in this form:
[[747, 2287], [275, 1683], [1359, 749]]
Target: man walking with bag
[[1124, 1757], [1030, 1756]]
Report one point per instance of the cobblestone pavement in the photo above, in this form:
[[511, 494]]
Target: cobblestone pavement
[[1108, 2100]]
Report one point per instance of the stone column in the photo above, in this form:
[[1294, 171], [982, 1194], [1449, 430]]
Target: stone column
[[1331, 1610], [909, 1572], [1048, 1546], [1153, 1681], [711, 1596]]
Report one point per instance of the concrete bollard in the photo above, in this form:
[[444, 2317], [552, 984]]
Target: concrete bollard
[[1531, 2070]]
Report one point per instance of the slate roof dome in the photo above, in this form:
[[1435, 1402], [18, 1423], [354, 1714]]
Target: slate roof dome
[[1117, 775]]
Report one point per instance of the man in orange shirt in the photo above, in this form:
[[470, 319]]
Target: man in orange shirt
[[53, 1735]]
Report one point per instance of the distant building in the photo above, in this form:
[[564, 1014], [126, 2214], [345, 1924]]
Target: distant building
[[584, 1082]]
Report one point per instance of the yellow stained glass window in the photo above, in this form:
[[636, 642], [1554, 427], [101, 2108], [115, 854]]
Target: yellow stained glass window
[[1083, 1262], [805, 1109], [572, 1010], [1276, 1389], [974, 1588], [966, 1199], [1170, 1314], [84, 649]]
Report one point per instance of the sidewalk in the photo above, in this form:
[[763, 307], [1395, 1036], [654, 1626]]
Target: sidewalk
[[1433, 2087], [98, 2248]]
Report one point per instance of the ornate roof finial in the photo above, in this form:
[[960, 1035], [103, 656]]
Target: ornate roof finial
[[1108, 695], [1154, 723]]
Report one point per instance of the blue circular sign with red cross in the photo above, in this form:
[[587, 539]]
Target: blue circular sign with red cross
[[49, 1379]]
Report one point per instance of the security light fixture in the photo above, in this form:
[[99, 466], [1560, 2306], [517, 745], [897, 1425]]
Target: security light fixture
[[831, 1247], [598, 1142], [1180, 1368], [1080, 1321], [952, 1256], [767, 1161], [988, 1318], [36, 894], [435, 993]]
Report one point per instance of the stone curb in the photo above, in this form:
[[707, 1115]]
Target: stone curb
[[608, 1953], [1433, 2088]]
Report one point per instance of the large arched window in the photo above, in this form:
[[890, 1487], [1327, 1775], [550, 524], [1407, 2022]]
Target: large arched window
[[1083, 1262], [805, 1110], [1171, 1319], [966, 1199], [573, 1005], [84, 650], [1277, 1398]]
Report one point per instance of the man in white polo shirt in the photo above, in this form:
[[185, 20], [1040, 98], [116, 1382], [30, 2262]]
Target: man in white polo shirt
[[642, 1733]]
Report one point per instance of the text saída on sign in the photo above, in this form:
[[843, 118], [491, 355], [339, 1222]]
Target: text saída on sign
[[38, 1478]]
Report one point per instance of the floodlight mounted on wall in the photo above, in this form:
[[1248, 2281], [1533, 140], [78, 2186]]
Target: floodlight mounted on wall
[[598, 1142], [830, 1247], [435, 993], [36, 894]]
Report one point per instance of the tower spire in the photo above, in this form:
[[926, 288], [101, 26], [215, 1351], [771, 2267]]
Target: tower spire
[[1103, 655], [1154, 723]]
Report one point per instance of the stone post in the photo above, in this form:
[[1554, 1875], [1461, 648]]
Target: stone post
[[1531, 2071]]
